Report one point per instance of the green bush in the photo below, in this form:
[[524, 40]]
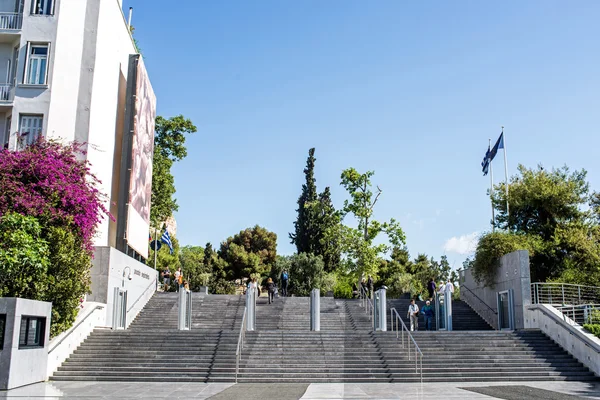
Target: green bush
[[47, 265], [594, 329], [342, 290], [24, 257], [68, 277]]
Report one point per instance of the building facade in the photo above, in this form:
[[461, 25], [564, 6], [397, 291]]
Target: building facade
[[63, 75]]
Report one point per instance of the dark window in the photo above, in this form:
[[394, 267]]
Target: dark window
[[42, 7], [2, 327], [32, 332]]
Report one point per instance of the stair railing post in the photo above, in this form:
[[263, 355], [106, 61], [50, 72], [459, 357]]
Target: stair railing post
[[315, 310], [381, 312]]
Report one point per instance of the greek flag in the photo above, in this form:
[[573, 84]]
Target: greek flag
[[485, 164], [166, 239], [499, 145]]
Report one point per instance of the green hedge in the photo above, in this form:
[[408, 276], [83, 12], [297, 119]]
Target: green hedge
[[593, 329]]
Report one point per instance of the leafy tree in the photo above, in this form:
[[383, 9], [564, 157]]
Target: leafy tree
[[24, 257], [218, 283], [166, 259], [442, 270], [253, 250], [553, 212], [52, 184], [540, 200], [493, 246], [68, 276], [357, 243], [304, 236], [192, 265], [327, 246], [306, 273], [169, 147]]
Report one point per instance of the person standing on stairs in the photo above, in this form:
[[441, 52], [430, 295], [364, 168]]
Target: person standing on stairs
[[271, 290], [284, 282], [370, 286], [428, 314], [413, 314], [177, 276], [166, 279], [431, 288]]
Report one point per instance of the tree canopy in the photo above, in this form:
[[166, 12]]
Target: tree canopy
[[555, 217], [251, 251], [169, 147]]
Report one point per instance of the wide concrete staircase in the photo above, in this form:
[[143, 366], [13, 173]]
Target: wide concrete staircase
[[283, 349], [463, 316], [480, 356], [152, 349]]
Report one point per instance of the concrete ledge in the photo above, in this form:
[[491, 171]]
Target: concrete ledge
[[584, 346], [62, 346]]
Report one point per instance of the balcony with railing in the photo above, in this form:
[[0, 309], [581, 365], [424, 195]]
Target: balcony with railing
[[7, 93], [10, 22]]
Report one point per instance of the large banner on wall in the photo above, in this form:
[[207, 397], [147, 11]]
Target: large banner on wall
[[140, 183]]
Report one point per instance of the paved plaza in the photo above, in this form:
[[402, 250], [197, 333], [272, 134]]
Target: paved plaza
[[318, 391]]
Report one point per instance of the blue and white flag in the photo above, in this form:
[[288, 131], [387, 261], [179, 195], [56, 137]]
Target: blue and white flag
[[166, 239], [499, 145], [485, 164]]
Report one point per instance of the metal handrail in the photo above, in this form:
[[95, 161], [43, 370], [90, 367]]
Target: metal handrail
[[478, 298], [418, 352], [583, 310], [367, 303], [563, 293], [71, 330], [144, 292], [240, 344]]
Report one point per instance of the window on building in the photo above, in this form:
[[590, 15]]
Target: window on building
[[30, 128], [32, 332], [7, 132], [42, 7], [2, 328], [37, 64]]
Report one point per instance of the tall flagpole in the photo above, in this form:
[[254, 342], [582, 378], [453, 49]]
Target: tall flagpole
[[492, 190], [505, 177]]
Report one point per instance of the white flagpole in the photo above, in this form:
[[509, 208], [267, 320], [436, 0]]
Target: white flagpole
[[492, 190], [505, 176]]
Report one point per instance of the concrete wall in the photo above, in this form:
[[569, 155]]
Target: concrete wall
[[107, 273], [34, 99], [62, 346], [513, 274], [90, 44], [19, 367], [584, 346], [113, 47]]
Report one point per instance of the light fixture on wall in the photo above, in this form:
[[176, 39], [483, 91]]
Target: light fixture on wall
[[130, 277]]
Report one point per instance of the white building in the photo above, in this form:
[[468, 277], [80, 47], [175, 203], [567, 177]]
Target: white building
[[63, 74]]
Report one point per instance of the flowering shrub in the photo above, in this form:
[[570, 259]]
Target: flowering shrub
[[49, 194], [48, 181]]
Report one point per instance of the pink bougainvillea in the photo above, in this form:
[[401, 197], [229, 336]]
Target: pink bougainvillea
[[50, 181]]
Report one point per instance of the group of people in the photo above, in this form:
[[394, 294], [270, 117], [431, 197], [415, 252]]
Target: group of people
[[177, 280], [271, 286], [427, 310]]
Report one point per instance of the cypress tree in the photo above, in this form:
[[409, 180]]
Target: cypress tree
[[304, 235], [327, 246]]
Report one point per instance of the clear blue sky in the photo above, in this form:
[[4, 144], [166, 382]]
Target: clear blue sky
[[411, 90]]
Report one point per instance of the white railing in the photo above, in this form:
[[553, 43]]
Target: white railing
[[418, 353], [11, 21], [564, 294], [366, 302], [240, 344], [7, 92], [581, 314]]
